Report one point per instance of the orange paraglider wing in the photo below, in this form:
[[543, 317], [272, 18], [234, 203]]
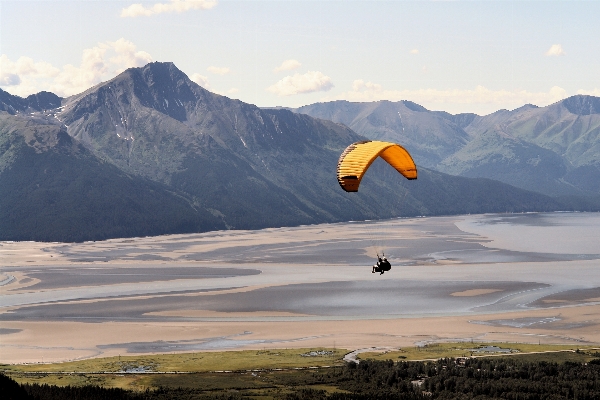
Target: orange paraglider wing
[[358, 157]]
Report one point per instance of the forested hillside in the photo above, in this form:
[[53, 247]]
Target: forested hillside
[[480, 378]]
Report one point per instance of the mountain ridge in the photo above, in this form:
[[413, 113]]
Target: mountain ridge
[[228, 164], [566, 133], [54, 189]]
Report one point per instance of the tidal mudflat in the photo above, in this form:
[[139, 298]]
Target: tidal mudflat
[[502, 277]]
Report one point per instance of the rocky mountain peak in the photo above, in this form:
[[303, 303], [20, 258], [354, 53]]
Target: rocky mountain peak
[[414, 106], [43, 101], [527, 106], [158, 85], [582, 105], [165, 88], [35, 102]]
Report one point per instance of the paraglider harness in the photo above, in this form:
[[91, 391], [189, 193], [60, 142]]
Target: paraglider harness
[[382, 265]]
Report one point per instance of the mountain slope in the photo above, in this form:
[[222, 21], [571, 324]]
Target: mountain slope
[[554, 150], [428, 137], [35, 102], [570, 128], [151, 152], [252, 167], [243, 163], [53, 189], [511, 160]]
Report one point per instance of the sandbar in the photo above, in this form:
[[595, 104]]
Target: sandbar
[[480, 278]]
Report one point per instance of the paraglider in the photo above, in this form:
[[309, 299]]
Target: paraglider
[[358, 157], [356, 160], [382, 265]]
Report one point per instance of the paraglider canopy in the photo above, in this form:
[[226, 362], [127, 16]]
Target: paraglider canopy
[[358, 157]]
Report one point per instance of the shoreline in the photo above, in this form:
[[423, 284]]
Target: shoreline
[[313, 288]]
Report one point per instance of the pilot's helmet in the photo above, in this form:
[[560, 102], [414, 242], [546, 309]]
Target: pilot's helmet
[[384, 259]]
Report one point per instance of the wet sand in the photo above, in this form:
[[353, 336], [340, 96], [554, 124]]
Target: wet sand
[[486, 277]]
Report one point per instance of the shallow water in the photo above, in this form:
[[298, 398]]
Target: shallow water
[[548, 233], [514, 262]]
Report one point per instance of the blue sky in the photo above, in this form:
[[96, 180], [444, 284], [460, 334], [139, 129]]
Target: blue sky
[[457, 56]]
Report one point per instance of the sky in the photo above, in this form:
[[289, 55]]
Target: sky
[[455, 56]]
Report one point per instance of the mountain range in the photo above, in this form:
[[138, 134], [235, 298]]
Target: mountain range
[[151, 152], [553, 150]]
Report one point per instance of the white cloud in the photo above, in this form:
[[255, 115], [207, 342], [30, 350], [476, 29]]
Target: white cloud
[[593, 92], [138, 10], [201, 80], [218, 70], [127, 56], [204, 82], [434, 98], [101, 62], [21, 75], [414, 51], [361, 86], [26, 66], [312, 81], [555, 50], [8, 79], [288, 65]]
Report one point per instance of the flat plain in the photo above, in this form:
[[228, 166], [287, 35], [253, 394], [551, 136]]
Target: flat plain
[[519, 278]]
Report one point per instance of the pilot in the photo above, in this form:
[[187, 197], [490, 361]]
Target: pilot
[[385, 265], [382, 265]]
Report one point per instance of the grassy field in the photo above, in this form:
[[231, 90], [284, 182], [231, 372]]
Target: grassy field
[[263, 383], [467, 349], [196, 370], [195, 362], [187, 370]]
